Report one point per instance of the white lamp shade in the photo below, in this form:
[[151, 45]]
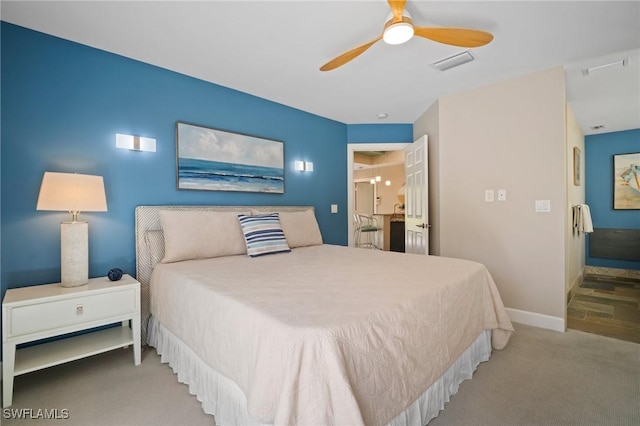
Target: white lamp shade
[[72, 192]]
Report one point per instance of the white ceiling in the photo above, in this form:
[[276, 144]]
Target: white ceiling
[[273, 49]]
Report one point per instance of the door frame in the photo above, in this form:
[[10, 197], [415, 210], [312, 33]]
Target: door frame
[[352, 148]]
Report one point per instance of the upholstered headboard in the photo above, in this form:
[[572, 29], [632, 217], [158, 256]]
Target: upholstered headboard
[[150, 244]]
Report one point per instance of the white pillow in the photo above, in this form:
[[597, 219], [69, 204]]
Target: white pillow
[[201, 234], [300, 227]]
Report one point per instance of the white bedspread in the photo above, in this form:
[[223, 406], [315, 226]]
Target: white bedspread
[[329, 334]]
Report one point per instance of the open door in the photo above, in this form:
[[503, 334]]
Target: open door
[[416, 212]]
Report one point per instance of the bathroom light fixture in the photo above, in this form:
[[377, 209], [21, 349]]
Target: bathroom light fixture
[[73, 193], [387, 183], [453, 61], [605, 67], [135, 143]]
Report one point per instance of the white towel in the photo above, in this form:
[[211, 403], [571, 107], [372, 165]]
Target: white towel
[[582, 218]]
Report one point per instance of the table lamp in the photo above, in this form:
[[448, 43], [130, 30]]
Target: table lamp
[[73, 193]]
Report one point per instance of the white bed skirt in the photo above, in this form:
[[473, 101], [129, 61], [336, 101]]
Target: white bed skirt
[[222, 398]]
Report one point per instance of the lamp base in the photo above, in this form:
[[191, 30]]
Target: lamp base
[[74, 266]]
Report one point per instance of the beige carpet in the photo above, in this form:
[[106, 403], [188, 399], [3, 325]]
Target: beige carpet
[[541, 378]]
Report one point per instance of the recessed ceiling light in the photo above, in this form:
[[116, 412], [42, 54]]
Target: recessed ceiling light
[[382, 115], [605, 67], [453, 61]]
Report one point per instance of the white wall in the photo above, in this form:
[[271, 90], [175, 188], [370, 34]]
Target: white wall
[[575, 195], [510, 135]]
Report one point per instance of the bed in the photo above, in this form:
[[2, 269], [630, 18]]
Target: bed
[[312, 333]]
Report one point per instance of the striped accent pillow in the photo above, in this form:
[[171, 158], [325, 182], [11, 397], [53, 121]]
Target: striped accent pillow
[[263, 234]]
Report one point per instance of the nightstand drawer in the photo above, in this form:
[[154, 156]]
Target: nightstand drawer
[[51, 315]]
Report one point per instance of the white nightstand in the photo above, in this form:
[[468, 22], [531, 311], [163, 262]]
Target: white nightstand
[[37, 312]]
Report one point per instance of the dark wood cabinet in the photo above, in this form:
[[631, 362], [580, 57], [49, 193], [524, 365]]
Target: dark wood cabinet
[[396, 240]]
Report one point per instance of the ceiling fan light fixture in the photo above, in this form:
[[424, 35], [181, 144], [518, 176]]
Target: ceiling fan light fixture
[[398, 33]]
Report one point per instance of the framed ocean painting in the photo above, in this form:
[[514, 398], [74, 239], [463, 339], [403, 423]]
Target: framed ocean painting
[[217, 160], [626, 181]]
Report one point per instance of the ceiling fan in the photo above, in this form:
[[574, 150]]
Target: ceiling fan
[[400, 29]]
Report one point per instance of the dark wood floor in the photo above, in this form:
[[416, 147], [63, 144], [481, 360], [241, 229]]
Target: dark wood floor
[[608, 306]]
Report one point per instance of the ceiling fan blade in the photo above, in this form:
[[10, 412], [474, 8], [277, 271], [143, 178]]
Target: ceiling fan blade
[[397, 7], [462, 37], [348, 56]]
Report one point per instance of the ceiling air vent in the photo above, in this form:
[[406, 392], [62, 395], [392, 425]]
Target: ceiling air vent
[[605, 67], [453, 61]]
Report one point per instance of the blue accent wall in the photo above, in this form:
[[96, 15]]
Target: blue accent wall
[[598, 154], [379, 133], [63, 103]]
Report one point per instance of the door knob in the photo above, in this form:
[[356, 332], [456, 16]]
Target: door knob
[[423, 225]]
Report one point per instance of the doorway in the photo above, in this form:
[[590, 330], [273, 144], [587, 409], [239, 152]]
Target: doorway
[[351, 196]]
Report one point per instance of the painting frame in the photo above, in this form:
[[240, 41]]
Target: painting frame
[[626, 181], [212, 159], [577, 169]]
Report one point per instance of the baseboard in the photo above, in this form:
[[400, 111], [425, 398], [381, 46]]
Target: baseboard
[[536, 320], [576, 283], [613, 272]]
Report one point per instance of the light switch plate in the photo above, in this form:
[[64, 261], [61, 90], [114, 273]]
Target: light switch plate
[[502, 194], [488, 195], [543, 206]]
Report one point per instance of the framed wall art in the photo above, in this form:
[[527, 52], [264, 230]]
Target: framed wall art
[[577, 154], [626, 181], [217, 160]]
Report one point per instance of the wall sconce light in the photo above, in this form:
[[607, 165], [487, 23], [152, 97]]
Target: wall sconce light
[[387, 183], [135, 143], [303, 166]]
